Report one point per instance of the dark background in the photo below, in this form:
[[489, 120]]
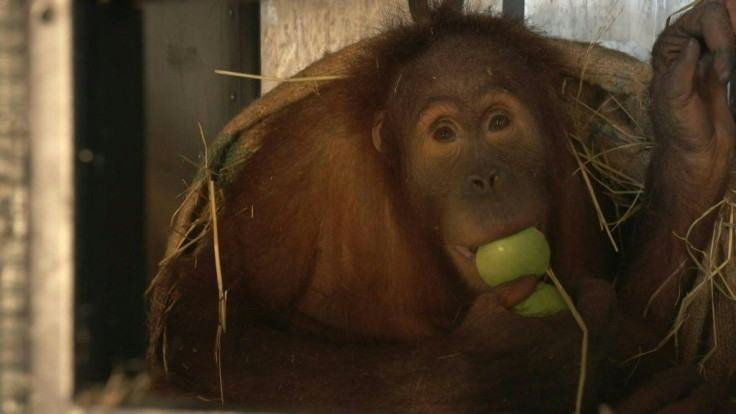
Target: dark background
[[127, 151]]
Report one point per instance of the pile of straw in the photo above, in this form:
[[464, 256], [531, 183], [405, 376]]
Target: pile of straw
[[616, 140]]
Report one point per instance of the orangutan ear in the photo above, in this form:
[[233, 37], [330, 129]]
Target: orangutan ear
[[377, 127]]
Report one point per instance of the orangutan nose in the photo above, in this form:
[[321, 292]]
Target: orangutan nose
[[478, 184]]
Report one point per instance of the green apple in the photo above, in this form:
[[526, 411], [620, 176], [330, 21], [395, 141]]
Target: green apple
[[545, 300], [521, 254]]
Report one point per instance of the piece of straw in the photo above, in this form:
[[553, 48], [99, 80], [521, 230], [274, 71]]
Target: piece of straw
[[277, 79], [222, 298], [584, 345]]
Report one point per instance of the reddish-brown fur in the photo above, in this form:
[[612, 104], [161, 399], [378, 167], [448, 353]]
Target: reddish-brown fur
[[340, 293]]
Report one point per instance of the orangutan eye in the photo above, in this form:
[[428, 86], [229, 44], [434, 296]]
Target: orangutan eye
[[444, 134], [499, 122]]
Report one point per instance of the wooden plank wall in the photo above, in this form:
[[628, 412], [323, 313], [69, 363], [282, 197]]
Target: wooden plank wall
[[295, 33], [627, 25]]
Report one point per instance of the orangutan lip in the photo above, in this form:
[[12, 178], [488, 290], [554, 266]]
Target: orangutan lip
[[466, 252]]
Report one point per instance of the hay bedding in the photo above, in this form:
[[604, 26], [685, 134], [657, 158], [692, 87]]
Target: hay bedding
[[607, 101]]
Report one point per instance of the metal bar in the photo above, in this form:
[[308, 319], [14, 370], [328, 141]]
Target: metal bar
[[51, 200], [513, 8]]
